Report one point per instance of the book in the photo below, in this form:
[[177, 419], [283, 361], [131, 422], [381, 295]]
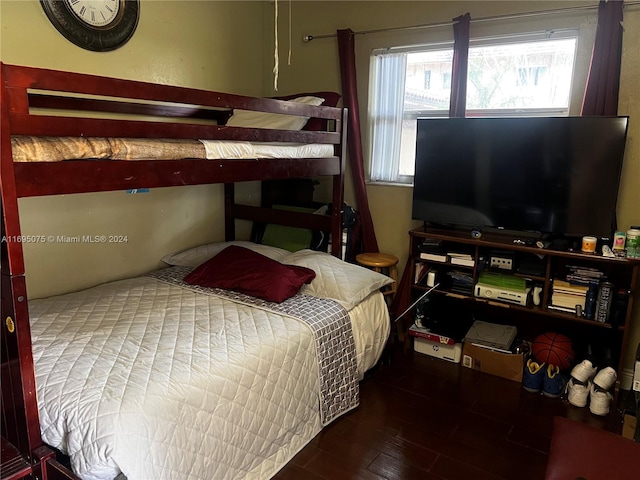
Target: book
[[421, 270], [562, 309], [569, 303], [467, 262], [427, 334], [564, 286], [569, 297], [460, 255], [434, 257]]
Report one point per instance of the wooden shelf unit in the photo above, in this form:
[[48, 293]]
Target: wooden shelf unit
[[533, 319]]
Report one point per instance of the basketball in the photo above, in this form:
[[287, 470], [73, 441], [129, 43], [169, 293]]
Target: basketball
[[555, 349]]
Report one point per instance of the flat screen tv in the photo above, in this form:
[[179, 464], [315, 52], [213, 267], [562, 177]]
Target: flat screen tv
[[548, 175]]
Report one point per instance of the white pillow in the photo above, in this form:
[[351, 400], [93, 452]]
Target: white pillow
[[346, 283], [195, 256], [276, 121]]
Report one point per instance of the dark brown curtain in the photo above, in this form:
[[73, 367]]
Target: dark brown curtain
[[458, 102], [601, 94], [354, 138]]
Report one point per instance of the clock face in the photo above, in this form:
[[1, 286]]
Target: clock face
[[98, 25], [96, 13]]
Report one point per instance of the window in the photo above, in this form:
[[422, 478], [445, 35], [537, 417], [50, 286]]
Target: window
[[526, 75]]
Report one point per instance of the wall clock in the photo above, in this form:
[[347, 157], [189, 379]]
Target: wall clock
[[97, 25]]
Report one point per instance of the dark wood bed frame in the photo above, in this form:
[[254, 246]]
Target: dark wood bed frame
[[135, 108]]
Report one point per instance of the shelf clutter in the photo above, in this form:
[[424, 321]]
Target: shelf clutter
[[487, 347], [532, 287]]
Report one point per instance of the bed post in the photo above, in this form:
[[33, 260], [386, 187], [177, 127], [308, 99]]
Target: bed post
[[338, 190], [20, 421], [23, 452], [229, 215]]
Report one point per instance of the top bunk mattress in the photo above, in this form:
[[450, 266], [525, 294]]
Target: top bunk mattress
[[29, 149]]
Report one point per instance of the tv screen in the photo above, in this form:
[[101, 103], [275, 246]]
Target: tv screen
[[555, 175]]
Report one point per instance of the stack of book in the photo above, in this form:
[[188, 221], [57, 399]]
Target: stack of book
[[461, 259], [584, 275], [567, 296], [460, 282], [578, 293], [433, 250]]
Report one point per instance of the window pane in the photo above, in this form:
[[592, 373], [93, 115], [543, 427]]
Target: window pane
[[521, 75], [432, 94], [408, 146]]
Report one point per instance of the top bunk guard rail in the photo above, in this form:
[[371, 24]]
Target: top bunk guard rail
[[180, 101], [48, 103]]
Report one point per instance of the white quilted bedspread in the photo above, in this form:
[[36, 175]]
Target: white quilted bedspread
[[218, 389]]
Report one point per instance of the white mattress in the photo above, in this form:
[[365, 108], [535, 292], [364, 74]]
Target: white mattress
[[217, 149], [160, 382], [56, 149]]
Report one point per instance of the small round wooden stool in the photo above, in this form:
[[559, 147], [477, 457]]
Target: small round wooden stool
[[384, 263]]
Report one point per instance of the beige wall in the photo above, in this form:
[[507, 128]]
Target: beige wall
[[202, 44], [315, 65]]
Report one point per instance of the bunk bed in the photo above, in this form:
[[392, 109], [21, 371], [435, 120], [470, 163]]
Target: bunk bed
[[237, 391]]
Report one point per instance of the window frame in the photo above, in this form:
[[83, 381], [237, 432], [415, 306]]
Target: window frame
[[487, 40]]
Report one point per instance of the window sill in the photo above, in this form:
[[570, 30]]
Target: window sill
[[371, 183]]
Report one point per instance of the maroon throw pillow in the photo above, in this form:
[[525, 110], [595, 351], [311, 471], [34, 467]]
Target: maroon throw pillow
[[243, 270], [331, 99]]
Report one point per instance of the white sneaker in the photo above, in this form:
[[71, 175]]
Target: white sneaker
[[605, 379], [577, 393], [599, 396], [583, 371], [600, 401]]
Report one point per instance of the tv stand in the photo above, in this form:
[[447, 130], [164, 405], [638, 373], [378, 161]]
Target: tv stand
[[539, 267]]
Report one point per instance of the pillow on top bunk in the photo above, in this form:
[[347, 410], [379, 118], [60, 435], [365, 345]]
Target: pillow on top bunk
[[245, 271], [195, 256], [277, 121], [346, 283], [331, 99]]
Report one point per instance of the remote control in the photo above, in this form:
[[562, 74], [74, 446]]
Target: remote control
[[537, 291]]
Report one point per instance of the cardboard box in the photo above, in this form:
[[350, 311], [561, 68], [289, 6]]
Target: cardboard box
[[630, 427], [450, 353], [505, 365]]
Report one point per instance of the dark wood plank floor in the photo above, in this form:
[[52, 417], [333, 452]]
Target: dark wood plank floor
[[424, 418]]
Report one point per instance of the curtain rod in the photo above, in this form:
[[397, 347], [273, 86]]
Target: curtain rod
[[308, 38]]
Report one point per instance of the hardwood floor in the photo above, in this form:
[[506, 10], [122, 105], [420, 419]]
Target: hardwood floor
[[424, 418]]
